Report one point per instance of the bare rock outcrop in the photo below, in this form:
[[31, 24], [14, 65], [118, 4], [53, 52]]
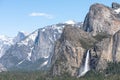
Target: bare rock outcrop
[[69, 51], [116, 47], [101, 18], [115, 5]]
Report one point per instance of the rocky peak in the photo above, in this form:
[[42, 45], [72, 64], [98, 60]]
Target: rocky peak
[[115, 5], [101, 18], [20, 36], [116, 8]]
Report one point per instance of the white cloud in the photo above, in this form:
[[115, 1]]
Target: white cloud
[[41, 15]]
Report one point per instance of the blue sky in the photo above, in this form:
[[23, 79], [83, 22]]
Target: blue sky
[[29, 15]]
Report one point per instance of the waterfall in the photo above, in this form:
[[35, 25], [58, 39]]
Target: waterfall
[[86, 67]]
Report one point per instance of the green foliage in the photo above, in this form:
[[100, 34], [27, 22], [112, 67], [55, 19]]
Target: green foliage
[[93, 75], [112, 71], [87, 43], [113, 68], [101, 36], [22, 75]]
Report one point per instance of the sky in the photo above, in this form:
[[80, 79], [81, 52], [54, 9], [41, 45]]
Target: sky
[[29, 15]]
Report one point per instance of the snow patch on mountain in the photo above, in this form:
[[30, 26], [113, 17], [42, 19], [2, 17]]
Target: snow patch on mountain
[[30, 54], [117, 10], [5, 40], [5, 43], [70, 22], [2, 68], [45, 63], [43, 30], [59, 28], [20, 62], [30, 37]]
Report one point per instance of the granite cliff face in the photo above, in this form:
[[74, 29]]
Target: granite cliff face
[[100, 35], [101, 18], [70, 49], [115, 5], [116, 47]]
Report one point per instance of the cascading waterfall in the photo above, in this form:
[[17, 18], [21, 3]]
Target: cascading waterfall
[[86, 67]]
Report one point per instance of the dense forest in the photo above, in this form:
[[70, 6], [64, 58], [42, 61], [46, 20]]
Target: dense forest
[[111, 73]]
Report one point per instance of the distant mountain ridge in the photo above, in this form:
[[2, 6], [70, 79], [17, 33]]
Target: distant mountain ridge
[[34, 51], [6, 42]]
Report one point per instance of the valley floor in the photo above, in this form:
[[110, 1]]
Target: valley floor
[[111, 73], [42, 76]]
